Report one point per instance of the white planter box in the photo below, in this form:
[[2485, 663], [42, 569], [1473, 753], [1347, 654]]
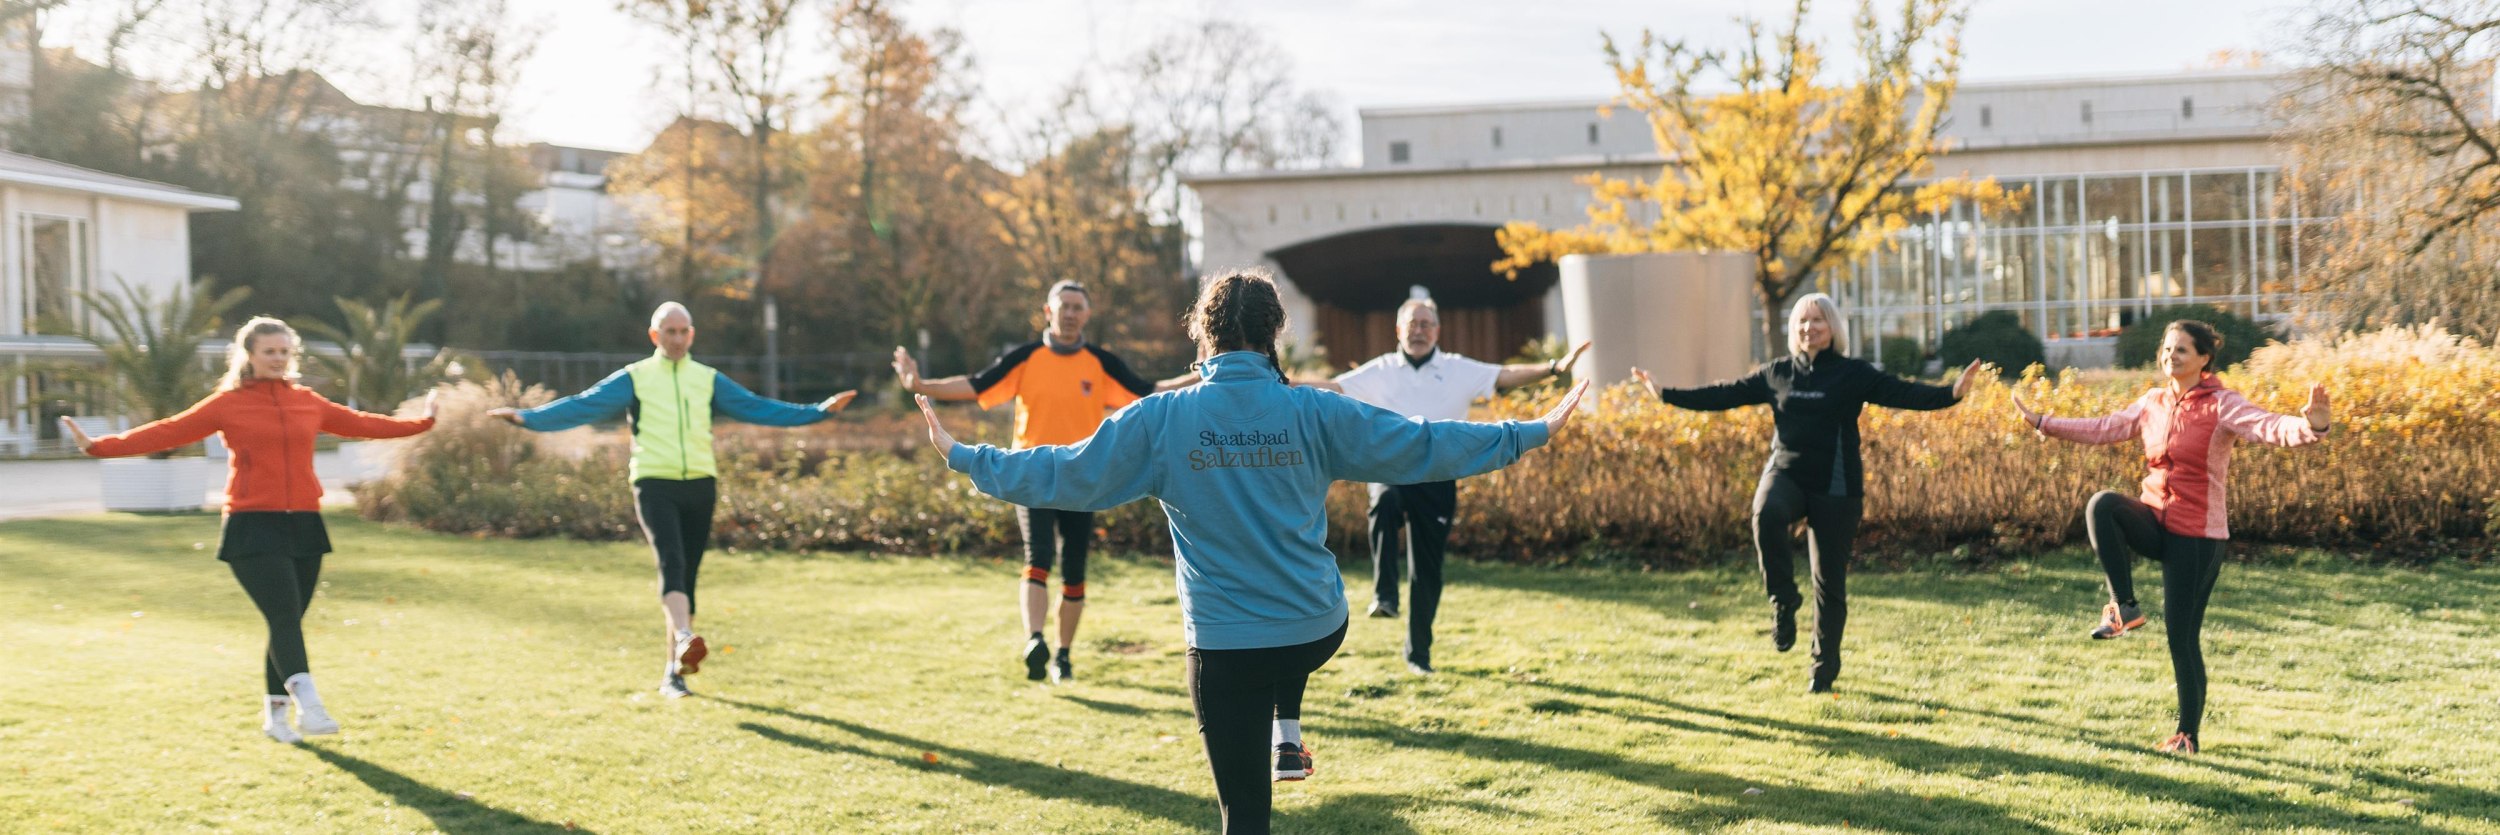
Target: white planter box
[[361, 461], [150, 485]]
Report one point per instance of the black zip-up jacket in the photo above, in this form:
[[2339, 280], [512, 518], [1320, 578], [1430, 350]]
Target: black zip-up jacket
[[1815, 414]]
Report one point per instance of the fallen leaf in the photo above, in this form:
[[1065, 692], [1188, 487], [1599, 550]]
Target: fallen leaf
[[929, 757]]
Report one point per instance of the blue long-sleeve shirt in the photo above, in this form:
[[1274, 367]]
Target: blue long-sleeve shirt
[[1242, 464], [613, 395]]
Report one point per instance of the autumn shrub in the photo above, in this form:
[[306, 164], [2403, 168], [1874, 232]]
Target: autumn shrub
[[2411, 467]]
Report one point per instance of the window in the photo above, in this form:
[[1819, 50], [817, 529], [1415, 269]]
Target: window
[[2087, 112], [1592, 133], [1987, 117], [56, 270], [1397, 152], [1497, 137], [2187, 107]]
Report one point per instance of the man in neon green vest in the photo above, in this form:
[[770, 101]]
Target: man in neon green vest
[[668, 401]]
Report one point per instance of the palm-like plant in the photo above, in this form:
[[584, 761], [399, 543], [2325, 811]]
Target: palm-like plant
[[152, 347], [370, 369]]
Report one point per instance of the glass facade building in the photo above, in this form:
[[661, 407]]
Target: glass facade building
[[2085, 255]]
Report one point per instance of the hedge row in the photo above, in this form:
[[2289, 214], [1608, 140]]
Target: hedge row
[[2413, 466]]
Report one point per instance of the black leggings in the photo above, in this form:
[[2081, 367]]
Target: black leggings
[[677, 518], [282, 587], [1412, 521], [1778, 502], [2121, 528], [1053, 534], [1236, 693]]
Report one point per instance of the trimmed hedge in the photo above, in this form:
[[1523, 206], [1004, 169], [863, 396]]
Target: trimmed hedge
[[1996, 337], [2241, 336], [2413, 465]]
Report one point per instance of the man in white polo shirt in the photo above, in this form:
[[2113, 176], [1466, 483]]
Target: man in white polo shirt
[[1421, 381]]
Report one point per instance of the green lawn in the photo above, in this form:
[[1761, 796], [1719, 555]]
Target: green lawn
[[507, 686]]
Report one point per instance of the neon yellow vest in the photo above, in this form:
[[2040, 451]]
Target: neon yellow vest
[[672, 419]]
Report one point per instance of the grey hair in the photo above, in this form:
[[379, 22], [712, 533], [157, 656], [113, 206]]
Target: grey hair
[[659, 314], [1419, 303], [1831, 318]]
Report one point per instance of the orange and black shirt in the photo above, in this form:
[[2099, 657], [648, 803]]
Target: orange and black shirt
[[1060, 394]]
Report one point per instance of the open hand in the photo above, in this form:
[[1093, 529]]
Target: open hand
[[907, 369], [938, 436], [76, 435], [507, 415], [835, 403], [1642, 374], [2030, 418], [1555, 418], [2317, 411], [1568, 359], [1961, 385]]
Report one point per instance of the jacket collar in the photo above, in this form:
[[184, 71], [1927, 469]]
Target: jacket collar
[[2206, 386], [1237, 365]]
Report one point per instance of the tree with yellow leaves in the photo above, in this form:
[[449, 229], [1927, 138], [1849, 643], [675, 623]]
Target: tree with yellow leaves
[[1806, 176]]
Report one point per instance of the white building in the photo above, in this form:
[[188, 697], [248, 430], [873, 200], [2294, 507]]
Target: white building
[[71, 230], [2144, 191]]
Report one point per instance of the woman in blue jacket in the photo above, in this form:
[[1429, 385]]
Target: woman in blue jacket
[[1242, 463]]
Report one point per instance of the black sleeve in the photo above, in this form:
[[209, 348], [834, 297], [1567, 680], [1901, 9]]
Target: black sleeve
[[1006, 363], [1884, 389], [1751, 390], [1120, 372]]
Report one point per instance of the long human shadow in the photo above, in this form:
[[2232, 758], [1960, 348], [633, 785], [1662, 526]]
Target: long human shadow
[[1033, 778], [1723, 796], [1119, 708], [1916, 754], [448, 812]]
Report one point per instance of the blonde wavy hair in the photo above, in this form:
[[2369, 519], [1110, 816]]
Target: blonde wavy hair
[[239, 354]]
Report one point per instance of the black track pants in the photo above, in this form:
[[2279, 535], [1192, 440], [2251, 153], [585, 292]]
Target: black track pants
[[1411, 523], [1237, 693], [2121, 528], [676, 517], [1832, 521]]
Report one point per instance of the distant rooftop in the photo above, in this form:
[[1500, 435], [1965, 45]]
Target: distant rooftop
[[36, 171]]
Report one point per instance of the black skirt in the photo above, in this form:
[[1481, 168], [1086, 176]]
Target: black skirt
[[273, 533]]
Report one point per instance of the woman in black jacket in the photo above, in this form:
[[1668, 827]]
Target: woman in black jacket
[[1815, 394]]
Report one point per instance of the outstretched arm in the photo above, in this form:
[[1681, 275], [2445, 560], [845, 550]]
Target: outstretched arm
[[958, 387], [1752, 390], [2247, 420], [1369, 443], [1175, 383], [1115, 466], [191, 425], [604, 400], [1520, 374], [349, 423], [738, 403], [2106, 429], [1893, 392]]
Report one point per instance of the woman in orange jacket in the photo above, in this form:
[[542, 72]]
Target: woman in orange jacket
[[273, 538]]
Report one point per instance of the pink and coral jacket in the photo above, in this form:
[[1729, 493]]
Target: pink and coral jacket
[[2187, 447]]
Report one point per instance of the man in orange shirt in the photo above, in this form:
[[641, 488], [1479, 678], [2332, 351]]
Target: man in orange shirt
[[1062, 387]]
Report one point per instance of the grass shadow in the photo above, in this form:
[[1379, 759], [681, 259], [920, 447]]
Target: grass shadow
[[1033, 778], [447, 811]]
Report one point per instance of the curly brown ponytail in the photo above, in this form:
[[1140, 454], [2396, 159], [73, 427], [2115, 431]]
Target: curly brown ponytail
[[1239, 310]]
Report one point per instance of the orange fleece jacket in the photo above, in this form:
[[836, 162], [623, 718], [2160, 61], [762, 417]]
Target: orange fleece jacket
[[269, 427]]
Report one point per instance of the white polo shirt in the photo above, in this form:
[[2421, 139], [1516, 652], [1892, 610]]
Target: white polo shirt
[[1440, 389]]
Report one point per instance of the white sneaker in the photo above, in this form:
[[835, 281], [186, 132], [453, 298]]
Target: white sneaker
[[273, 721], [310, 717]]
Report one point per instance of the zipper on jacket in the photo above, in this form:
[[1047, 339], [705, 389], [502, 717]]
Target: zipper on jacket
[[286, 476], [685, 457]]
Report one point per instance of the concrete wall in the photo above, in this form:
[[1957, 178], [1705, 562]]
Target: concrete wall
[[1682, 316]]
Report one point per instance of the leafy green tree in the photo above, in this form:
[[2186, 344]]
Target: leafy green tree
[[372, 368]]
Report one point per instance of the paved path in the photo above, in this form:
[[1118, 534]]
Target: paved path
[[31, 489]]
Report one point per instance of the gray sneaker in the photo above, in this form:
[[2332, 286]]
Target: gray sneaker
[[675, 687]]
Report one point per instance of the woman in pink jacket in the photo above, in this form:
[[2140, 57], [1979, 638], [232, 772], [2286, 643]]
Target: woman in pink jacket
[[2188, 426]]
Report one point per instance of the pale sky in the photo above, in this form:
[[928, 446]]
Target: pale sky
[[591, 80]]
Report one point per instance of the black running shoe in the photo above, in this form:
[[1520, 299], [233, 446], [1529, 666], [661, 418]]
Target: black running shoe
[[675, 687], [1060, 669], [1036, 659], [1293, 762], [1783, 626]]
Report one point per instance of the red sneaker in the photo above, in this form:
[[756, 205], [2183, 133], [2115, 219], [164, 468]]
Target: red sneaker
[[690, 655], [2117, 621], [1293, 762], [2178, 743]]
